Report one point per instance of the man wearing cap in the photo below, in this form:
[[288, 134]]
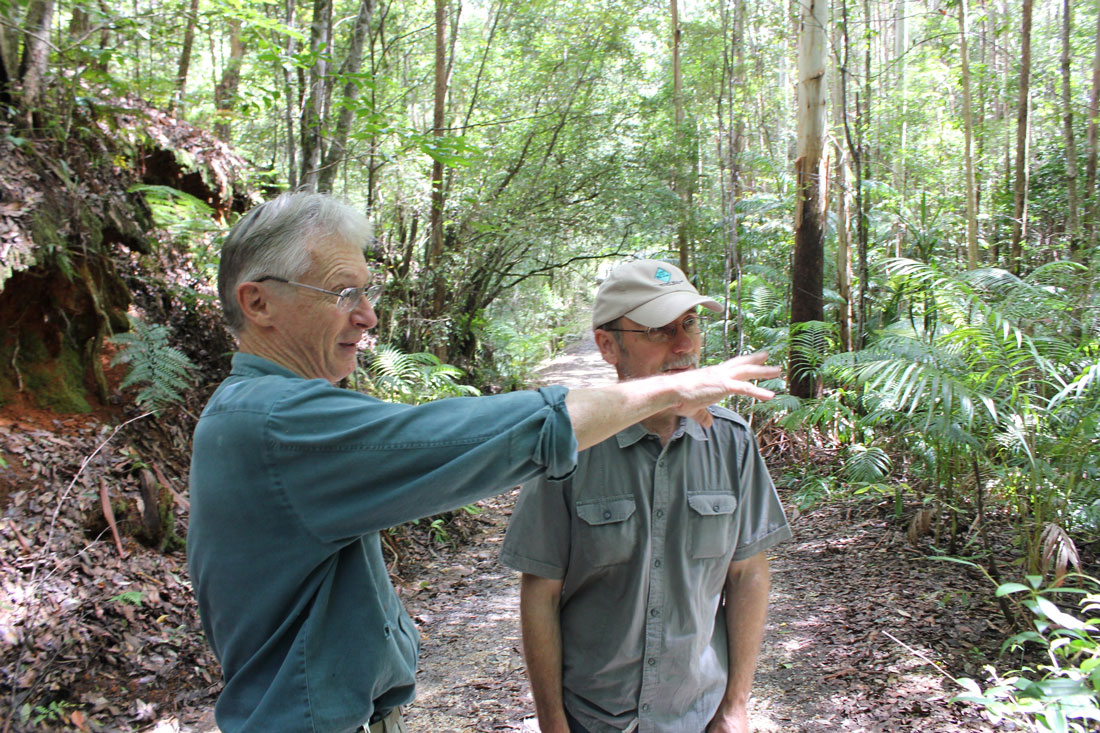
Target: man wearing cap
[[644, 580]]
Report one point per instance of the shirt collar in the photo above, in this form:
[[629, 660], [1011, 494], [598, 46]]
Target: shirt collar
[[636, 432], [250, 365]]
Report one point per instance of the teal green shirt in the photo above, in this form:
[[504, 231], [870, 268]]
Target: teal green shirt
[[291, 482]]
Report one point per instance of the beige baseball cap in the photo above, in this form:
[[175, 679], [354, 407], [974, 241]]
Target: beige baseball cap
[[651, 293]]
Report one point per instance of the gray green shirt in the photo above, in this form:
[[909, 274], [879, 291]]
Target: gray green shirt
[[642, 537], [291, 481]]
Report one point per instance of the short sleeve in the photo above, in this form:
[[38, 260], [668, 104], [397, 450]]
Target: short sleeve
[[537, 541], [763, 523]]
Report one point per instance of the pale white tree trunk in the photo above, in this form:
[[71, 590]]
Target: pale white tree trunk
[[811, 168]]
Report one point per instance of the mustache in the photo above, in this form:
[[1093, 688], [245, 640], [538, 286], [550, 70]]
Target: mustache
[[687, 360]]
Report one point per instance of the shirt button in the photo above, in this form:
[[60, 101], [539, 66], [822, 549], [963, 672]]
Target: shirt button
[[652, 662], [654, 612], [607, 515], [645, 707], [660, 513], [715, 507], [656, 563]]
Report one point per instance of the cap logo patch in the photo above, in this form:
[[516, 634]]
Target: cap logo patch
[[662, 274]]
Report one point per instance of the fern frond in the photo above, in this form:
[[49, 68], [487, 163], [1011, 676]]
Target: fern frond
[[162, 371], [866, 465]]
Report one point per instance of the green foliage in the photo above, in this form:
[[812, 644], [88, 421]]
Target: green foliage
[[161, 371], [129, 597], [1061, 693], [52, 714], [393, 375]]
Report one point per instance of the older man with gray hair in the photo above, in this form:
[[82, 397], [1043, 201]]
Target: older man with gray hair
[[293, 478], [645, 583]]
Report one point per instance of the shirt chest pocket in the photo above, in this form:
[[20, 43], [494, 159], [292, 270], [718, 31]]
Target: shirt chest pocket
[[711, 523], [606, 530]]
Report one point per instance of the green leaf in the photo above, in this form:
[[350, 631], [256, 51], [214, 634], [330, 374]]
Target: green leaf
[[130, 597], [1007, 588]]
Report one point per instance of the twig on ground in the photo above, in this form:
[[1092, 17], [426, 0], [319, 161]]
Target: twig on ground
[[922, 657]]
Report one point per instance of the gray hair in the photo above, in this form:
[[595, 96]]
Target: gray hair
[[278, 238], [611, 327]]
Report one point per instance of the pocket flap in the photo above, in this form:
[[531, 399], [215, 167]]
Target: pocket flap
[[712, 504], [605, 511]]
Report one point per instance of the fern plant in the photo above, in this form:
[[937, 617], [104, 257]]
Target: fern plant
[[161, 371], [979, 382], [397, 376]]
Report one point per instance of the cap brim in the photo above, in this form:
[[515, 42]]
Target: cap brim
[[667, 308]]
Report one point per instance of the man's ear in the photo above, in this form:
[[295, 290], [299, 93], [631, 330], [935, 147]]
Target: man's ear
[[254, 303], [609, 347]]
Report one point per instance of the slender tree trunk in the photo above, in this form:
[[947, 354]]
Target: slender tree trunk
[[843, 215], [855, 149], [679, 176], [811, 170], [225, 93], [901, 56], [438, 129], [973, 256], [36, 53], [1092, 208], [1020, 192], [291, 103], [1073, 230], [732, 68], [9, 43], [349, 72], [313, 113], [185, 57]]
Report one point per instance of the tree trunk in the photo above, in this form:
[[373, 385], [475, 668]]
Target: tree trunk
[[225, 93], [9, 43], [901, 55], [36, 52], [313, 113], [731, 177], [1091, 199], [811, 169], [435, 222], [349, 72], [855, 149], [679, 175], [185, 57], [973, 256], [290, 99], [843, 216], [1019, 198], [1072, 221]]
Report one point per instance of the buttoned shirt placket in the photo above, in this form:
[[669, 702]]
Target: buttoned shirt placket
[[655, 600]]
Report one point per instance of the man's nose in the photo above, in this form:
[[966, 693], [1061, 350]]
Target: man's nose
[[682, 341], [363, 315]]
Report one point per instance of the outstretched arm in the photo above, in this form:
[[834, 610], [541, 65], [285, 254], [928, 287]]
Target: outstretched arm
[[600, 412], [747, 585], [538, 604]]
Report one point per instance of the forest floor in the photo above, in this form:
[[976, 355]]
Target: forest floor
[[863, 628]]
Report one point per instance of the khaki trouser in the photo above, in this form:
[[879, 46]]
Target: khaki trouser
[[392, 723]]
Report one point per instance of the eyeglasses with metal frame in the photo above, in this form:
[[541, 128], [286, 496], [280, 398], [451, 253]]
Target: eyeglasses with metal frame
[[692, 325], [347, 299]]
